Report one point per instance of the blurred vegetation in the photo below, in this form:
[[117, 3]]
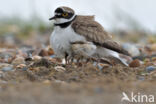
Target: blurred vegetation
[[133, 31], [22, 27]]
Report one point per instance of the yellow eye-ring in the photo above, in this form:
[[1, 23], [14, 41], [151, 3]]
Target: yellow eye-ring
[[65, 14]]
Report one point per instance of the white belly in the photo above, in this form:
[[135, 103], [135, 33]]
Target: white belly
[[61, 38]]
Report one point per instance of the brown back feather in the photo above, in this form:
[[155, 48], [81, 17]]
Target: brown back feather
[[93, 31]]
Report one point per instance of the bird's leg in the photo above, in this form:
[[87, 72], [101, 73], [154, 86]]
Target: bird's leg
[[71, 59], [78, 59], [66, 58], [89, 59]]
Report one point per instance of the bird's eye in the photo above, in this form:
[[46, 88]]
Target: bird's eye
[[64, 14]]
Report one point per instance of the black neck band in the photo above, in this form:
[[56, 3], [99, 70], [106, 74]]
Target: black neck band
[[66, 24]]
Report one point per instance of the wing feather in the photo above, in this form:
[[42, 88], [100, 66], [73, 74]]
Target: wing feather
[[94, 32]]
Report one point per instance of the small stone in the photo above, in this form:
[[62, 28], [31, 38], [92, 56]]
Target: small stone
[[150, 68], [3, 82], [142, 78], [153, 58], [24, 69], [1, 74], [135, 63], [146, 60], [36, 58], [59, 81], [50, 51], [59, 68], [11, 59], [43, 53], [153, 47], [55, 60], [46, 82], [6, 67], [53, 56], [20, 66], [18, 60], [153, 73], [2, 60], [98, 90], [28, 59], [43, 62], [6, 56]]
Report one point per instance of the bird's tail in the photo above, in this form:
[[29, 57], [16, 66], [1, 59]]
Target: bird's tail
[[104, 52], [123, 58]]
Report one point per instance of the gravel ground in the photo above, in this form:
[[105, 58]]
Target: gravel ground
[[73, 85], [30, 75]]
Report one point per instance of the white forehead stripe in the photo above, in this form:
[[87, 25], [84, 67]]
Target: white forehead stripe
[[57, 13], [63, 20]]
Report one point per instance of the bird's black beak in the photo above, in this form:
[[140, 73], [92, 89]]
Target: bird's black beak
[[52, 18]]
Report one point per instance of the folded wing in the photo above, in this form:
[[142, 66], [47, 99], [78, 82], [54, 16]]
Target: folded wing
[[95, 33]]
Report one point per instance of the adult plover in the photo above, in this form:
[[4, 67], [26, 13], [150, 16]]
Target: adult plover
[[70, 28]]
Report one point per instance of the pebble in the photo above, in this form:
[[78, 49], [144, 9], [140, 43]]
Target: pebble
[[98, 90], [46, 82], [36, 58], [18, 60], [59, 68], [150, 68], [50, 51], [6, 56], [28, 59], [10, 39], [25, 68], [59, 81], [142, 78], [43, 53], [21, 66], [131, 48], [135, 63], [153, 58], [1, 74], [153, 47], [53, 56], [6, 67], [55, 60]]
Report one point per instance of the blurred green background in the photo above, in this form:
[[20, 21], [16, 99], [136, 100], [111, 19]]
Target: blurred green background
[[128, 21]]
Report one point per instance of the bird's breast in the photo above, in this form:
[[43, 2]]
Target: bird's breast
[[61, 39]]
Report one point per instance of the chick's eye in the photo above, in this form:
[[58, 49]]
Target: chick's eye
[[65, 14]]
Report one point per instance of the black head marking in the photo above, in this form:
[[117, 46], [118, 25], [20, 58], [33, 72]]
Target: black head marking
[[64, 10], [59, 10], [64, 13]]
